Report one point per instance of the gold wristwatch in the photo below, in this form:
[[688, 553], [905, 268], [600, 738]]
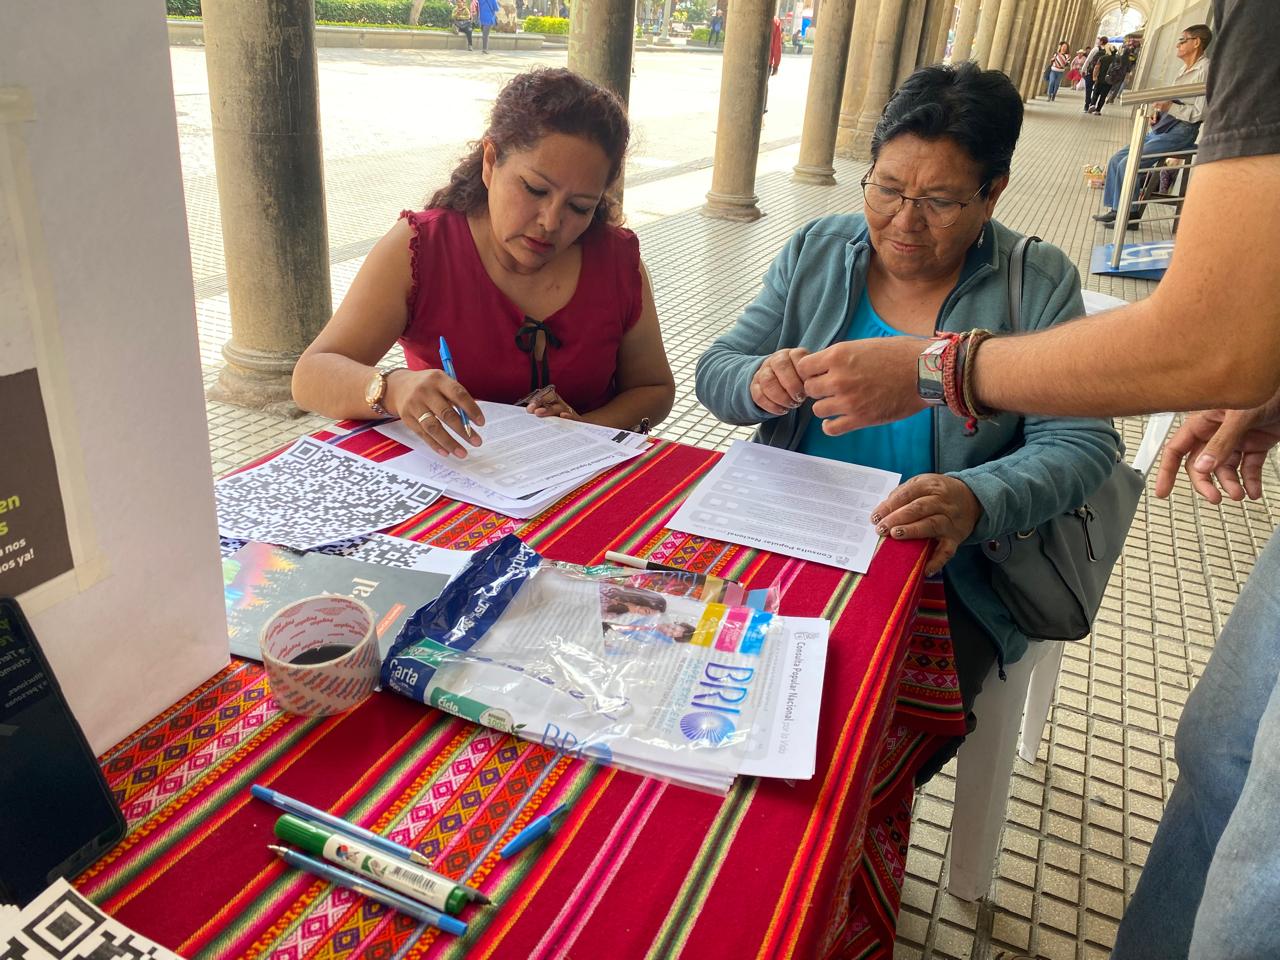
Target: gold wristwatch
[[376, 392]]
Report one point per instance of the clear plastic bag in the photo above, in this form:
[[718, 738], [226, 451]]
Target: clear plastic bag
[[592, 665]]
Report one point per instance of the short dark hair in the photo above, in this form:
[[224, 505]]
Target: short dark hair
[[978, 110], [1202, 33], [532, 105]]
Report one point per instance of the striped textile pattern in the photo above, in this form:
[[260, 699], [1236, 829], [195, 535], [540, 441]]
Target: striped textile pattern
[[637, 868]]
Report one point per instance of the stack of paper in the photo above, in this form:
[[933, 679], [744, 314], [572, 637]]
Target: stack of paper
[[60, 924], [691, 692], [525, 464], [790, 503]]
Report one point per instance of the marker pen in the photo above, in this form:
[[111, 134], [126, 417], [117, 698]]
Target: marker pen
[[360, 858]]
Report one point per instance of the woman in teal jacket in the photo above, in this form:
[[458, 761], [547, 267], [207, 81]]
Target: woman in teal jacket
[[924, 256]]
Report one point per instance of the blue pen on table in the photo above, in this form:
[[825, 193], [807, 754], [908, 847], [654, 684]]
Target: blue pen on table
[[537, 828], [446, 361], [388, 898], [307, 812]]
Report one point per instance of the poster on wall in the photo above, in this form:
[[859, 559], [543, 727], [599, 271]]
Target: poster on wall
[[34, 544]]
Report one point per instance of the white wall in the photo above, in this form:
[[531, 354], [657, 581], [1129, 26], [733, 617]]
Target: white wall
[[103, 192]]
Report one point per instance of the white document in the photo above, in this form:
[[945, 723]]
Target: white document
[[793, 704], [313, 494], [524, 454], [411, 555], [1095, 302], [790, 503], [60, 924]]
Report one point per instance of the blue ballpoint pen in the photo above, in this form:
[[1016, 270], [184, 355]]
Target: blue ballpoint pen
[[537, 828], [388, 898], [446, 361]]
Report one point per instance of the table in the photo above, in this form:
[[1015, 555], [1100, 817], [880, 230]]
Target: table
[[638, 868]]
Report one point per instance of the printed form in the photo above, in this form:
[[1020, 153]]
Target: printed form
[[789, 503]]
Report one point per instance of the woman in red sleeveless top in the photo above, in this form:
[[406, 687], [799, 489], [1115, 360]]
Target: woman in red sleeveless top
[[519, 265]]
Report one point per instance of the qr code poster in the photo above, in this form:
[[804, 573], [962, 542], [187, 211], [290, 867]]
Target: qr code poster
[[62, 925], [315, 494]]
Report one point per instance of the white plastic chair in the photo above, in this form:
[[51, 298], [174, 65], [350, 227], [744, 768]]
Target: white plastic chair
[[1016, 708]]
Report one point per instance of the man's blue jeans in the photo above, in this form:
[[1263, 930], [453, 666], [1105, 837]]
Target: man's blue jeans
[[1179, 138], [1211, 884]]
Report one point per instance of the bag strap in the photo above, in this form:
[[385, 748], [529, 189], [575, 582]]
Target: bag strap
[[1016, 258]]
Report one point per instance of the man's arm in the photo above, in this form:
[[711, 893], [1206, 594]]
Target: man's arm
[[1209, 336]]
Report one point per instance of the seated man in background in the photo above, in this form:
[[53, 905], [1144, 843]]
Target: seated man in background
[[1176, 125]]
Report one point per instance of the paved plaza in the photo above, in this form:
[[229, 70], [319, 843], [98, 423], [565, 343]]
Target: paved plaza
[[1081, 818]]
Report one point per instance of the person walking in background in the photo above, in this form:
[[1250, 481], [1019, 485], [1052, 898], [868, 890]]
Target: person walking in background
[[462, 19], [1057, 67], [1090, 62], [717, 28], [1077, 67], [1129, 56], [1102, 70], [488, 11]]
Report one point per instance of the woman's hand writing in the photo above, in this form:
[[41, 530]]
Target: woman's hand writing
[[427, 401], [777, 386], [930, 505]]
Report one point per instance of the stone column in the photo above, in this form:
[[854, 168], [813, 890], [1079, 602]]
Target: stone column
[[856, 73], [1014, 41], [946, 18], [884, 53], [933, 31], [743, 74], [1049, 37], [1031, 62], [909, 43], [664, 38], [1000, 39], [822, 104], [601, 35], [261, 59], [986, 31], [966, 25]]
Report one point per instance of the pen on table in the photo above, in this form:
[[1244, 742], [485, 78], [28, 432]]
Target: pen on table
[[537, 828], [308, 812], [446, 361], [427, 886], [388, 898], [638, 563]]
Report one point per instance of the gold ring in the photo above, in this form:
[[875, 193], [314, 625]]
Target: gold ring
[[425, 417]]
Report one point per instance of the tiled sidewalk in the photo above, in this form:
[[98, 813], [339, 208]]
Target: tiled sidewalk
[[1081, 818]]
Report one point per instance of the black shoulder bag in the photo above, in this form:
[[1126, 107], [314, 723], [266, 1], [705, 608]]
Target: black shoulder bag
[[1052, 578]]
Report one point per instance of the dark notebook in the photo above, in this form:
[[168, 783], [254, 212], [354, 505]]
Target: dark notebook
[[260, 579]]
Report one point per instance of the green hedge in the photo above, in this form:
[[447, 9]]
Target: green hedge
[[703, 34], [548, 25], [435, 13]]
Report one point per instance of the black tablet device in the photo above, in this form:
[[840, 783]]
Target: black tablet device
[[57, 812]]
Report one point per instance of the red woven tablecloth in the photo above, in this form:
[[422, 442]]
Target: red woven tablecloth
[[638, 868]]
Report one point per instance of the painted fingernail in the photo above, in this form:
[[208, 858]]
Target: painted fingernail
[[897, 531], [798, 398], [882, 530], [875, 518]]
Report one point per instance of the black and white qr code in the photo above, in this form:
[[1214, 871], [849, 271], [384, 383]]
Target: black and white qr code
[[314, 494], [69, 927]]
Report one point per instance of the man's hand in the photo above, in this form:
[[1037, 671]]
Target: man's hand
[[1229, 446], [930, 505], [860, 383]]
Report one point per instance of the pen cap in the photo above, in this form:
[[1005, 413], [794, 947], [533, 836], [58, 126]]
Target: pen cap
[[302, 834]]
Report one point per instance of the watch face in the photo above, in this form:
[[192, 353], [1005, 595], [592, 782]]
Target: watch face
[[374, 391], [929, 375]]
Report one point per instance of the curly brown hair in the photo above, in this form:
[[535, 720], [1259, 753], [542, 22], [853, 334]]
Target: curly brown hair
[[531, 106]]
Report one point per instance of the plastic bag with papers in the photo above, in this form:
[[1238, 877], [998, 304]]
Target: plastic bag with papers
[[665, 685]]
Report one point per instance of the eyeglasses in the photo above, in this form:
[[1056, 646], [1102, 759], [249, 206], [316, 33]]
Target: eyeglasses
[[1182, 40], [937, 211]]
